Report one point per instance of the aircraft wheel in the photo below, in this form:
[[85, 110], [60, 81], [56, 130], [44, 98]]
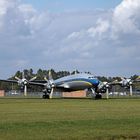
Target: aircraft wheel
[[46, 97], [98, 96]]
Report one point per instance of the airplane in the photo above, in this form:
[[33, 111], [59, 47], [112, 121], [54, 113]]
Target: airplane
[[69, 83]]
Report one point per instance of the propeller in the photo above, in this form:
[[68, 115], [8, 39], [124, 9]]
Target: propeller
[[103, 87], [126, 83], [49, 87], [106, 86], [23, 82]]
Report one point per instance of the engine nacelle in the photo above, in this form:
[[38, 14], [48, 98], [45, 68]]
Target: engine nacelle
[[102, 87], [101, 90]]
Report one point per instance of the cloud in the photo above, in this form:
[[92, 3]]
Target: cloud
[[98, 30], [126, 17], [101, 27], [101, 41]]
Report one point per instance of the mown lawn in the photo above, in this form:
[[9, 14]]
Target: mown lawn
[[69, 119]]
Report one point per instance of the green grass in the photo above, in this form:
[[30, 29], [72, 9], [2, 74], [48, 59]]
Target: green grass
[[71, 119]]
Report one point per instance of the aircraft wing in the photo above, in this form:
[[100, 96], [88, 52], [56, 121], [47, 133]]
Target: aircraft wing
[[37, 83], [9, 81], [137, 80], [56, 87], [115, 83]]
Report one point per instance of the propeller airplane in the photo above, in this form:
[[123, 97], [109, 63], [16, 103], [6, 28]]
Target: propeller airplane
[[70, 83]]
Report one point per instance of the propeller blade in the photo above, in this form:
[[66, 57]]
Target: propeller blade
[[23, 75], [115, 81], [51, 94], [45, 78], [50, 78], [131, 90], [107, 92], [17, 78], [50, 75], [32, 79], [123, 78], [25, 90]]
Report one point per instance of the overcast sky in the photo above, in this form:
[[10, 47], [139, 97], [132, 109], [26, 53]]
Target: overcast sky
[[99, 36]]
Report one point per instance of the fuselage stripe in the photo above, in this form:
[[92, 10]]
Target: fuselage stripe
[[89, 82]]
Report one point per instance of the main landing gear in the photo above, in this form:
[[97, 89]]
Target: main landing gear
[[46, 96], [98, 96]]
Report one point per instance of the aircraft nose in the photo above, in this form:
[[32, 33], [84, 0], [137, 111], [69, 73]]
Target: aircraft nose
[[95, 82]]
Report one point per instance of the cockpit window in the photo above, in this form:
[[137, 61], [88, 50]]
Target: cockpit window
[[91, 77]]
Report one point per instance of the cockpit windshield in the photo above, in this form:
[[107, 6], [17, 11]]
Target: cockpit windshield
[[91, 77]]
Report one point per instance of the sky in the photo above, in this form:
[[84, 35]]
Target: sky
[[89, 35], [66, 5]]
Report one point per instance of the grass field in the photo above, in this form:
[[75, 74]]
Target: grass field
[[69, 119]]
